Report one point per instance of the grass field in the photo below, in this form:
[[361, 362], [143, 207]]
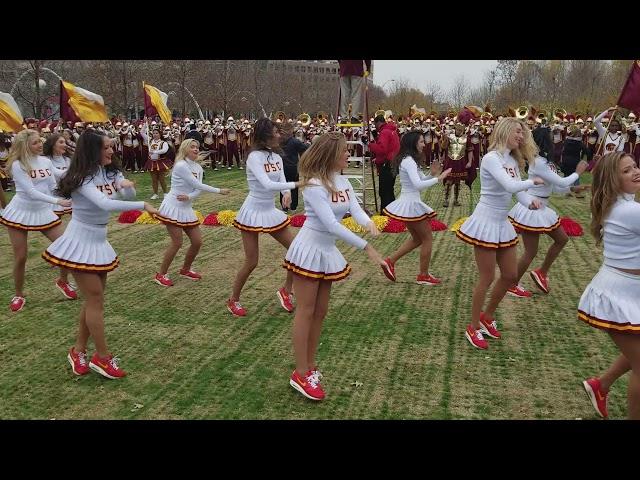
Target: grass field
[[388, 351]]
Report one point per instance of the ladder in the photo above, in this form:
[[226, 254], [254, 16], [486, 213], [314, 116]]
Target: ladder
[[358, 180]]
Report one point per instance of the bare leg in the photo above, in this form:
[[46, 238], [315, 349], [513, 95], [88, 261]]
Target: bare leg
[[285, 237], [163, 181], [629, 345], [307, 293], [18, 240], [175, 234], [486, 262], [92, 286], [251, 253], [408, 245], [423, 229], [560, 239], [83, 330], [320, 311], [507, 262], [154, 182], [619, 367], [53, 234], [530, 241], [195, 236]]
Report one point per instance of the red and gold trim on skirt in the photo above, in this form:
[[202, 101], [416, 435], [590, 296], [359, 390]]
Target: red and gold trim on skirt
[[607, 324], [409, 219], [158, 165], [83, 267], [247, 228], [66, 211], [171, 221], [28, 228], [481, 243], [341, 275], [527, 228]]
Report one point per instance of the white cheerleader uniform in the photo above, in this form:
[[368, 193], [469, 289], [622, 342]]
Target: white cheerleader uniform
[[61, 164], [409, 207], [313, 252], [186, 179], [265, 176], [543, 220], [612, 300], [489, 226], [30, 208], [83, 246]]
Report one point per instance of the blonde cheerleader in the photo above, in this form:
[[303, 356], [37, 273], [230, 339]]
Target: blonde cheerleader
[[178, 215], [31, 208], [91, 181], [313, 255], [54, 149], [488, 229]]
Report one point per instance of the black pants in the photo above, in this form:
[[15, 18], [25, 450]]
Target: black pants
[[291, 174], [386, 180]]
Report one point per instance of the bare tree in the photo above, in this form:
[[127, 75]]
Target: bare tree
[[459, 92]]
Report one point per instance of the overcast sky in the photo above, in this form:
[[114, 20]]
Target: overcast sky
[[421, 72]]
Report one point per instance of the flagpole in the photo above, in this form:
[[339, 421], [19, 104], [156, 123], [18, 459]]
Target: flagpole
[[146, 121]]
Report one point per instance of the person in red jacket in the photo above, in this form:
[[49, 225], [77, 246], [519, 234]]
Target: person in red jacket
[[385, 148], [352, 73]]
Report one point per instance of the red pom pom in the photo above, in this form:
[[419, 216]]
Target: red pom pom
[[437, 225], [129, 217], [211, 220], [298, 220], [394, 226], [571, 227]]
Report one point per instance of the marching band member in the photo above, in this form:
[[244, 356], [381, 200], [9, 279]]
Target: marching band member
[[313, 255], [409, 208], [613, 138], [265, 176], [232, 145], [178, 215], [30, 208], [611, 301], [488, 228], [91, 181]]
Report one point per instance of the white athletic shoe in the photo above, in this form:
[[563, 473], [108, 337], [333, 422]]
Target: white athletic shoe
[[154, 197]]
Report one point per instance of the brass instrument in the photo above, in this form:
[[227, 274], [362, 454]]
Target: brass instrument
[[379, 112], [486, 116], [281, 116], [321, 116], [542, 115], [522, 112], [305, 118], [559, 114], [418, 116]]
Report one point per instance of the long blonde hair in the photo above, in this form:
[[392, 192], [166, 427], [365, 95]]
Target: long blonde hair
[[500, 137], [320, 159], [605, 188], [20, 150], [183, 150], [529, 148]]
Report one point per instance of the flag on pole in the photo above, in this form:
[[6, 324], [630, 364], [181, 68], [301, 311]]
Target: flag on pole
[[155, 103], [80, 105], [630, 95], [10, 116]]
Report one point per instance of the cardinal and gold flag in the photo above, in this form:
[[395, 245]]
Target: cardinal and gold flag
[[630, 95], [10, 116], [80, 105], [155, 103]]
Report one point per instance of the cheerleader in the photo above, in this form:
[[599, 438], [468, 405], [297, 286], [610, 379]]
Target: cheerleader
[[258, 214], [158, 163], [611, 301], [313, 255], [176, 212], [409, 208], [613, 138], [488, 228], [533, 223], [54, 149], [91, 181], [30, 208]]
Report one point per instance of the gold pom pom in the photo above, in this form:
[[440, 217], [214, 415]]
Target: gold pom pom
[[147, 219], [226, 217], [456, 226]]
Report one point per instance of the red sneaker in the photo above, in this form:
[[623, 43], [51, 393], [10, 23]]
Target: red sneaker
[[597, 396], [475, 337], [78, 362], [107, 367], [519, 292], [235, 308], [163, 280], [489, 326], [427, 279], [285, 300], [309, 386], [389, 269], [541, 280], [66, 289], [190, 274], [17, 303]]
